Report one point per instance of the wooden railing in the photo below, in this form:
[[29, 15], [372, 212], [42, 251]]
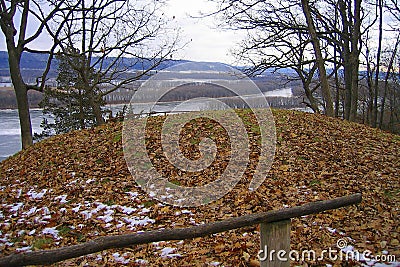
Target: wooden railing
[[274, 228]]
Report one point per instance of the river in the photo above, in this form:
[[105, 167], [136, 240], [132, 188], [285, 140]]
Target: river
[[10, 136], [10, 140]]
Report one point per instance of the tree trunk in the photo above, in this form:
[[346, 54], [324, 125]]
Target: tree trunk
[[96, 108], [319, 59], [390, 67], [355, 54], [21, 93], [97, 113], [313, 102], [377, 70], [24, 116]]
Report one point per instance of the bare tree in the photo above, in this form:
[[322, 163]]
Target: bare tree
[[277, 38], [319, 58], [332, 27], [14, 17], [112, 38]]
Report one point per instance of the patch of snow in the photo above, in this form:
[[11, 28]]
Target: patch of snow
[[16, 207], [106, 218], [90, 180], [47, 217], [36, 195], [332, 230], [87, 214], [45, 211], [76, 209], [32, 232], [120, 259], [141, 262], [5, 241], [51, 231], [19, 193], [132, 194], [167, 252], [62, 198], [215, 263], [30, 211], [137, 221], [186, 212], [144, 210], [120, 224], [127, 210], [24, 249]]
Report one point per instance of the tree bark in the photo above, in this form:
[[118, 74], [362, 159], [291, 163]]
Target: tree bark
[[319, 59], [387, 76], [355, 54], [374, 118], [21, 92]]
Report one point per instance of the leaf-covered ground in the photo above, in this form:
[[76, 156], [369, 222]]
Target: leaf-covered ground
[[75, 187]]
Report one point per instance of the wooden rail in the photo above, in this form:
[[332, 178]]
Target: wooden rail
[[275, 223]]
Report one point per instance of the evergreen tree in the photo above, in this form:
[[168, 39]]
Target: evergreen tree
[[68, 105]]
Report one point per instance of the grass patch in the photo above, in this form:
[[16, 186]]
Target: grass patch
[[42, 243], [63, 230], [148, 204], [117, 137], [315, 182]]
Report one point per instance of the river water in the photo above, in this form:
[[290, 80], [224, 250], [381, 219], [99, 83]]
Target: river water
[[10, 140], [10, 136]]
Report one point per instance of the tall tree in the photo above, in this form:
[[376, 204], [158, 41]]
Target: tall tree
[[14, 17], [319, 59], [67, 105], [277, 38], [113, 38], [334, 30]]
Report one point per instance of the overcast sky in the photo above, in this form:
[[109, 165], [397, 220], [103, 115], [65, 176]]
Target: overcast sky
[[207, 43]]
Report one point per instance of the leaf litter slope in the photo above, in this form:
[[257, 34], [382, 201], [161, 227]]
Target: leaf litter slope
[[75, 187]]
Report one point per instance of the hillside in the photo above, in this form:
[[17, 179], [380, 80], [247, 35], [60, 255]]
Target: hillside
[[74, 187], [32, 61]]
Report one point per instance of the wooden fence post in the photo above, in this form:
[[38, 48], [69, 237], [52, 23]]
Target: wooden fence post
[[275, 244]]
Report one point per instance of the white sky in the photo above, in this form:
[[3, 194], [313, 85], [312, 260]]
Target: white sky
[[206, 43]]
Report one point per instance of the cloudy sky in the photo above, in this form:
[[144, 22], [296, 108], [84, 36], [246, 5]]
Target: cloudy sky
[[206, 43]]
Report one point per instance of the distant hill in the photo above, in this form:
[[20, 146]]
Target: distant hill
[[28, 61], [33, 62]]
